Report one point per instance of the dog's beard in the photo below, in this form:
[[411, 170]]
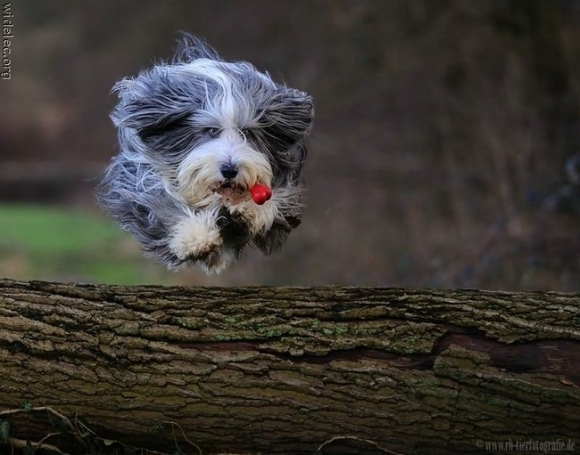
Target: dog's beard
[[201, 183]]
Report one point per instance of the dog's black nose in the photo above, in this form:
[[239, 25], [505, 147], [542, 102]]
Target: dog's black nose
[[229, 170]]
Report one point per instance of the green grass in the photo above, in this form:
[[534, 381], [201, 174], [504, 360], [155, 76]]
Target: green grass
[[41, 242], [46, 230]]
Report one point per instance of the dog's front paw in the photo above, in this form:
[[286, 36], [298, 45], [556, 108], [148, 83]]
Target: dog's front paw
[[256, 218], [195, 239]]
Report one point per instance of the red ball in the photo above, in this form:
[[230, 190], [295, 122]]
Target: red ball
[[260, 193]]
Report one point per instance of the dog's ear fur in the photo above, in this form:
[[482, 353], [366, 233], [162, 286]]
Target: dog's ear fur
[[287, 117], [147, 116], [286, 121], [190, 48], [151, 108], [146, 107]]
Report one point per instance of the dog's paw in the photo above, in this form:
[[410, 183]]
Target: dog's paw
[[257, 218], [194, 239], [216, 261]]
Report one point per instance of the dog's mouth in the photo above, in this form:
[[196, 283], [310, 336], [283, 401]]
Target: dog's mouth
[[234, 193], [231, 192], [229, 184]]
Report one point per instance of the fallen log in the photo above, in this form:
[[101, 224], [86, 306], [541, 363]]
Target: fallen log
[[287, 370]]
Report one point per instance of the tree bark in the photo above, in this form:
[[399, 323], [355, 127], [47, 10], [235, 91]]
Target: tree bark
[[291, 370]]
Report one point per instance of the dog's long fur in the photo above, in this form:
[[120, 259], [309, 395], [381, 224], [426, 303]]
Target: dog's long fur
[[179, 124]]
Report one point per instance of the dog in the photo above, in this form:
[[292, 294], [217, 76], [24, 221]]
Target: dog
[[210, 158]]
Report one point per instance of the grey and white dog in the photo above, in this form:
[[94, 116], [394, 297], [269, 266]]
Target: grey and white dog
[[196, 136]]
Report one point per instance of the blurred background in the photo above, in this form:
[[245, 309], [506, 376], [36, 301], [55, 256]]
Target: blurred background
[[445, 152]]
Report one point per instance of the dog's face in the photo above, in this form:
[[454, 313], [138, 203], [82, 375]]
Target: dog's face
[[211, 127]]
